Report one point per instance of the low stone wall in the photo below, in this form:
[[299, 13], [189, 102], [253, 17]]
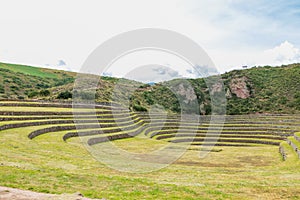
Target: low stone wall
[[220, 144], [82, 126], [223, 133], [224, 140], [154, 131], [53, 105], [98, 140], [100, 118], [108, 104], [25, 124], [33, 118], [178, 135], [30, 113], [21, 113], [283, 153], [39, 123], [102, 123], [294, 146], [296, 137], [50, 129], [60, 128]]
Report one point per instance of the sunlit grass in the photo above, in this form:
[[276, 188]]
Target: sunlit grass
[[48, 164]]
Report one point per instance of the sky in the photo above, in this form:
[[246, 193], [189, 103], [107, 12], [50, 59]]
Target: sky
[[234, 33]]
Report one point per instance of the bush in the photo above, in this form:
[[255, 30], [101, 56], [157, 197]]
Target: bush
[[85, 95], [13, 87], [44, 93], [42, 85], [139, 108], [2, 91], [64, 95], [297, 95], [32, 94], [64, 81], [148, 98]]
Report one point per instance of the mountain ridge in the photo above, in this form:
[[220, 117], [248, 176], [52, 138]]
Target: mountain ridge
[[247, 91]]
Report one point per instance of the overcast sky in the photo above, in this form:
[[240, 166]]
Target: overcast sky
[[61, 33]]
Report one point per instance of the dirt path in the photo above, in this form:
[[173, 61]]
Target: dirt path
[[16, 194]]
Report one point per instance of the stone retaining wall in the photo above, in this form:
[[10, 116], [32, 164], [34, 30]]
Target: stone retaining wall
[[283, 153]]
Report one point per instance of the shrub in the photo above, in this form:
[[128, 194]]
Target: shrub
[[297, 95], [87, 95], [32, 94], [64, 95], [148, 98], [139, 108], [2, 91], [42, 85], [64, 81], [13, 87], [44, 93]]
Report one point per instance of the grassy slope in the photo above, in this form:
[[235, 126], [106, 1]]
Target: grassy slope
[[274, 89], [26, 82], [19, 82], [29, 70]]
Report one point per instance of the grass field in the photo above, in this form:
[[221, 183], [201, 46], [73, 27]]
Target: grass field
[[34, 71], [49, 164]]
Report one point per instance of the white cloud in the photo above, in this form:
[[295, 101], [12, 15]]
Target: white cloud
[[285, 53], [234, 33], [152, 73]]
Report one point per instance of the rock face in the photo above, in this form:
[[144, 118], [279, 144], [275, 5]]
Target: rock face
[[188, 93], [217, 87], [238, 86]]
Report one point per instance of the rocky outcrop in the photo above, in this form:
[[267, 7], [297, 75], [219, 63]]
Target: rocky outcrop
[[238, 86], [217, 87], [187, 93]]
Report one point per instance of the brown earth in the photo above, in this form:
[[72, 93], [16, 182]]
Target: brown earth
[[16, 194]]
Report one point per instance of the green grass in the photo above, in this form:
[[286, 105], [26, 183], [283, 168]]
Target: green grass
[[48, 164], [296, 142], [292, 157], [28, 70]]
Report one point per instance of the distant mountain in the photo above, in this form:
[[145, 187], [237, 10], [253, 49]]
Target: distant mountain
[[151, 83], [255, 90]]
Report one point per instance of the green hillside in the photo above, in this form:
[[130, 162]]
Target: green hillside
[[256, 90], [26, 82], [33, 71], [271, 89]]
